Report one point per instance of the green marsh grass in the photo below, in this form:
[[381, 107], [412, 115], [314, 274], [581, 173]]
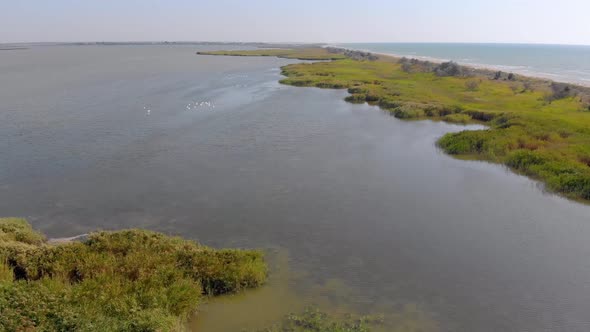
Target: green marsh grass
[[295, 53]]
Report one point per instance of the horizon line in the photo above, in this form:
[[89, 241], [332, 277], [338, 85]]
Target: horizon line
[[285, 42]]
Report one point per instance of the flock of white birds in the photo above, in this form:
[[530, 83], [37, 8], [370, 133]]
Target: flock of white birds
[[190, 106], [197, 104]]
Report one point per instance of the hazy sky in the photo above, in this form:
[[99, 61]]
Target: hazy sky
[[526, 21]]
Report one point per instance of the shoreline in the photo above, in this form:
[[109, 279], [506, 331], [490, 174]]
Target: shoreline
[[478, 66]]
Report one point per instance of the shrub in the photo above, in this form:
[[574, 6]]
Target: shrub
[[480, 115], [448, 69], [523, 159], [472, 85], [431, 111], [406, 67], [15, 229], [515, 88], [559, 91], [357, 89], [131, 280], [465, 142], [297, 82], [356, 98], [407, 111], [501, 121], [371, 98], [527, 86], [389, 104], [330, 85], [573, 184]]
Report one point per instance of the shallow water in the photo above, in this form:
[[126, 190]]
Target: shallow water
[[373, 217]]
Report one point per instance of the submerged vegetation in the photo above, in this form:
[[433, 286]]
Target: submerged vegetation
[[131, 280], [314, 320], [536, 127]]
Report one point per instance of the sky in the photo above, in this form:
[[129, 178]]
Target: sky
[[329, 21]]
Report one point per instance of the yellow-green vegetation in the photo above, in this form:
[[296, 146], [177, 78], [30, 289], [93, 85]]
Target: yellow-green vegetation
[[293, 53], [131, 280], [537, 128]]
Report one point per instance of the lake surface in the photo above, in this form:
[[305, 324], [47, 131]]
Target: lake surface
[[566, 63], [362, 209]]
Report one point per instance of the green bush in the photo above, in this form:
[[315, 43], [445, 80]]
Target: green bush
[[131, 280], [371, 97], [356, 98], [479, 115], [357, 89], [406, 112], [15, 229], [577, 185], [389, 104], [465, 142], [449, 69]]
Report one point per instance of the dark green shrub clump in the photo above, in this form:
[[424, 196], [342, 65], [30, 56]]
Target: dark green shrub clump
[[361, 97], [523, 159], [356, 98], [449, 69], [577, 185], [130, 280], [389, 104], [465, 142], [371, 98], [357, 89], [330, 85], [480, 116]]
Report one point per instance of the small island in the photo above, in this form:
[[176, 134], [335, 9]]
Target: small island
[[536, 127]]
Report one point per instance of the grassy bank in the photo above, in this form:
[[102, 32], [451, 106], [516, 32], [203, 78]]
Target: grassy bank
[[535, 127], [131, 280]]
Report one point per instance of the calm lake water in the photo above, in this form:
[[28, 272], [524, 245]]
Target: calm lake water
[[566, 63], [358, 210]]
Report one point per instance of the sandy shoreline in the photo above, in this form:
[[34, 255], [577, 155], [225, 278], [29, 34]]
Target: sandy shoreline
[[80, 237]]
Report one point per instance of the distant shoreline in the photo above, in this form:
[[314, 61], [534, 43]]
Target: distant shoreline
[[491, 67], [13, 48], [262, 45]]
